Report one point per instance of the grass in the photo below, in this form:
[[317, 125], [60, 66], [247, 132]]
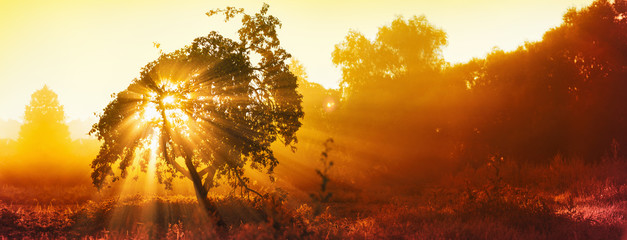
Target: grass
[[564, 200]]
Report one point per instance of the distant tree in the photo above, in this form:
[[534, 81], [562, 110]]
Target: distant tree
[[387, 80], [43, 153], [393, 96], [44, 130], [208, 108], [405, 47]]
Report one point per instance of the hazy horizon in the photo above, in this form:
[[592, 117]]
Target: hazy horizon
[[100, 47]]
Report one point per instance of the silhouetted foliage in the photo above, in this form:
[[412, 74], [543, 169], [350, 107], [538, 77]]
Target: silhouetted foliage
[[406, 114], [209, 107], [564, 94]]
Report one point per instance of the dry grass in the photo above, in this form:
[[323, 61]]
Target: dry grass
[[566, 200]]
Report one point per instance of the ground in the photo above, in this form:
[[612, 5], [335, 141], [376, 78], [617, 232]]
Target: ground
[[563, 200]]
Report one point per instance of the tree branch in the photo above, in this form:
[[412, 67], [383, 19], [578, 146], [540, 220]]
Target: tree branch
[[243, 184], [173, 162], [166, 156], [209, 179], [206, 170]]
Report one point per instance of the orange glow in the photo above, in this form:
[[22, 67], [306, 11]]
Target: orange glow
[[150, 113], [380, 120], [83, 35], [169, 100]]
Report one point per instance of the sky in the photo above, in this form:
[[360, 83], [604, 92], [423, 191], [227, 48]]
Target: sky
[[86, 50]]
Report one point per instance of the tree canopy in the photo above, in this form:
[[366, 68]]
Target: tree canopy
[[405, 47], [208, 107], [44, 129]]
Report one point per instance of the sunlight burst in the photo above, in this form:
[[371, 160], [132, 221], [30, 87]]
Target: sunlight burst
[[150, 113], [169, 100]]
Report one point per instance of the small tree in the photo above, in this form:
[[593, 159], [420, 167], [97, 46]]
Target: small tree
[[407, 49], [42, 154], [323, 196], [44, 129], [208, 108]]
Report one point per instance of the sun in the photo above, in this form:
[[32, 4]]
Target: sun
[[168, 100], [155, 103], [150, 113], [165, 107]]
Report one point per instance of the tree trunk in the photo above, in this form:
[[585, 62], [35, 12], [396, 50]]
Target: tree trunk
[[201, 192]]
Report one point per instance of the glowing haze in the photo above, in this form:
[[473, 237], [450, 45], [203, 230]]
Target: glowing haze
[[87, 50]]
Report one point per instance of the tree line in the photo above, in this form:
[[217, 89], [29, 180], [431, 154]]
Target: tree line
[[212, 111], [402, 106]]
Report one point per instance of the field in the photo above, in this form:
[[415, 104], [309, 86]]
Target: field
[[565, 200], [237, 128]]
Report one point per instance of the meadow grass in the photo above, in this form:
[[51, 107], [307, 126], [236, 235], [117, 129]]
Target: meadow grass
[[567, 199]]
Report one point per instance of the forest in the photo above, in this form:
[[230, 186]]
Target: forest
[[227, 138]]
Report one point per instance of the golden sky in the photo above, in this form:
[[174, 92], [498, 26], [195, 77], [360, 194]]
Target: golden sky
[[85, 50]]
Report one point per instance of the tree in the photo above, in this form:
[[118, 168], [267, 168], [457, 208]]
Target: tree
[[385, 78], [44, 129], [208, 108], [393, 97], [43, 151], [404, 48]]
